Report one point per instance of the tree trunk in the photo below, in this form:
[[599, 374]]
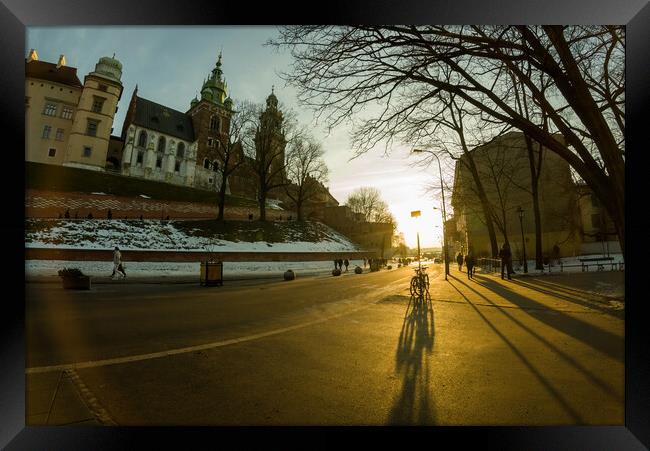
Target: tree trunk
[[485, 205], [534, 189], [222, 202], [262, 201], [299, 210]]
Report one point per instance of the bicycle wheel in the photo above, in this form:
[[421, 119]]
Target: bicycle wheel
[[414, 286]]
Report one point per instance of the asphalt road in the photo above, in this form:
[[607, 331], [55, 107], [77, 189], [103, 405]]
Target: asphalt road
[[349, 350]]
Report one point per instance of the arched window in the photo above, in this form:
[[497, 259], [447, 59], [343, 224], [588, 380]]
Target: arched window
[[180, 150], [215, 165], [214, 122], [161, 144], [206, 163], [142, 139]]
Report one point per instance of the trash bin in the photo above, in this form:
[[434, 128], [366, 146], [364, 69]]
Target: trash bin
[[211, 273]]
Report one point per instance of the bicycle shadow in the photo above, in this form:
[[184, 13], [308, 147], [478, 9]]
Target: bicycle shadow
[[415, 343]]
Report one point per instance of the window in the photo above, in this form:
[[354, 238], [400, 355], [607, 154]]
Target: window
[[91, 128], [98, 103], [215, 166], [51, 152], [206, 163], [161, 144], [214, 123], [140, 157], [180, 150], [59, 134], [595, 221], [142, 139], [46, 132], [66, 112], [50, 109], [103, 87], [210, 180], [159, 162], [87, 151], [177, 166], [210, 142]]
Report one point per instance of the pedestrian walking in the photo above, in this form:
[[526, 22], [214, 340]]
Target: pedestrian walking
[[118, 267], [109, 215], [346, 262], [364, 262], [469, 263], [67, 214], [506, 260], [336, 264], [459, 259], [340, 262]]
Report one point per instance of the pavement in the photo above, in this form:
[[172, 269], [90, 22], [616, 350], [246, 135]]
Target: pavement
[[552, 302]]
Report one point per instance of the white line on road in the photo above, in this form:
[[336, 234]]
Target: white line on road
[[217, 344]]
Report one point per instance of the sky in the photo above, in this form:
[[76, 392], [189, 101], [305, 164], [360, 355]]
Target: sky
[[169, 64]]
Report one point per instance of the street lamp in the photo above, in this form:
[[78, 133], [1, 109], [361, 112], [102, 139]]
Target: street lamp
[[444, 213], [520, 211]]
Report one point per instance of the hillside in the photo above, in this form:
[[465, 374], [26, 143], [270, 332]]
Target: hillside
[[185, 235]]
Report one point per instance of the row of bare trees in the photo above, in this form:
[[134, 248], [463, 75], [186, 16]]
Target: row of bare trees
[[290, 158], [451, 88]]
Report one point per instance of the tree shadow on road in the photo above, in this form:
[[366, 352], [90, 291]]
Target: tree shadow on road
[[413, 405]]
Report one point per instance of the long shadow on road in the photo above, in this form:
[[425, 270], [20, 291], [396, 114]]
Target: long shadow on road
[[604, 386], [595, 337], [415, 342]]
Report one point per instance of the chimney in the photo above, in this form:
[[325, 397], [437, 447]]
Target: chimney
[[33, 56], [61, 62]]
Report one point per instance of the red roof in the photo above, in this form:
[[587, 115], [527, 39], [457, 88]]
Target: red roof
[[49, 72]]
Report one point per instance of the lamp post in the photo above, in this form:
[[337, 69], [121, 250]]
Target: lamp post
[[520, 211], [416, 214], [444, 214]]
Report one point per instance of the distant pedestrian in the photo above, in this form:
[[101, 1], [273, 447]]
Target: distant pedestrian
[[340, 262], [90, 216], [364, 262], [506, 260], [346, 262], [469, 263], [141, 218], [336, 264], [167, 218], [556, 253], [250, 216], [67, 214], [459, 259], [109, 215], [117, 263]]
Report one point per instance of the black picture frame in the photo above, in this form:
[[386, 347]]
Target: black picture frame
[[15, 15]]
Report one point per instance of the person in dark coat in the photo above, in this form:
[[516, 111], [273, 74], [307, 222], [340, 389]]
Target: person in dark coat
[[346, 262], [459, 259], [336, 264], [506, 260], [340, 262], [469, 263], [67, 214], [109, 215]]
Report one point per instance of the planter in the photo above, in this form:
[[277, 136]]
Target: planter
[[211, 274], [336, 272], [76, 283], [358, 270], [289, 275]]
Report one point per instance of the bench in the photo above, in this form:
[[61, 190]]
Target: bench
[[585, 262]]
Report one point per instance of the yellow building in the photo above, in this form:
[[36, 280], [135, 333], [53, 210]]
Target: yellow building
[[67, 123], [504, 171]]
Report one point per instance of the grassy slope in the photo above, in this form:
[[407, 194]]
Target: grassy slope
[[59, 178]]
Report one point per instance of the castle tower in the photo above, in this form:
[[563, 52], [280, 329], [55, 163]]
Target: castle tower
[[270, 142], [93, 121], [211, 115]]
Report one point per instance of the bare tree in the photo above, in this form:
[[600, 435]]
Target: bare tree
[[368, 202], [306, 171], [342, 71], [230, 153]]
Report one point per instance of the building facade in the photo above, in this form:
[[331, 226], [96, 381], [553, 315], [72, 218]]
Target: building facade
[[66, 122]]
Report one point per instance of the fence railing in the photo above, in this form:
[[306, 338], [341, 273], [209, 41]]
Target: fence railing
[[489, 264], [494, 265]]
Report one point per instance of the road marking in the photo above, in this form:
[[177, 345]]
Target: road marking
[[95, 408], [185, 350]]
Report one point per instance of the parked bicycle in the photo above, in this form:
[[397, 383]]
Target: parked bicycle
[[420, 283]]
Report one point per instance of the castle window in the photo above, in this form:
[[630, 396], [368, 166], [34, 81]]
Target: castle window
[[215, 165], [98, 103], [159, 162], [214, 122], [91, 127], [46, 132], [66, 112], [210, 142], [87, 151], [59, 134], [161, 144], [51, 152], [180, 150], [140, 157], [177, 166], [142, 139], [50, 109], [206, 163]]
